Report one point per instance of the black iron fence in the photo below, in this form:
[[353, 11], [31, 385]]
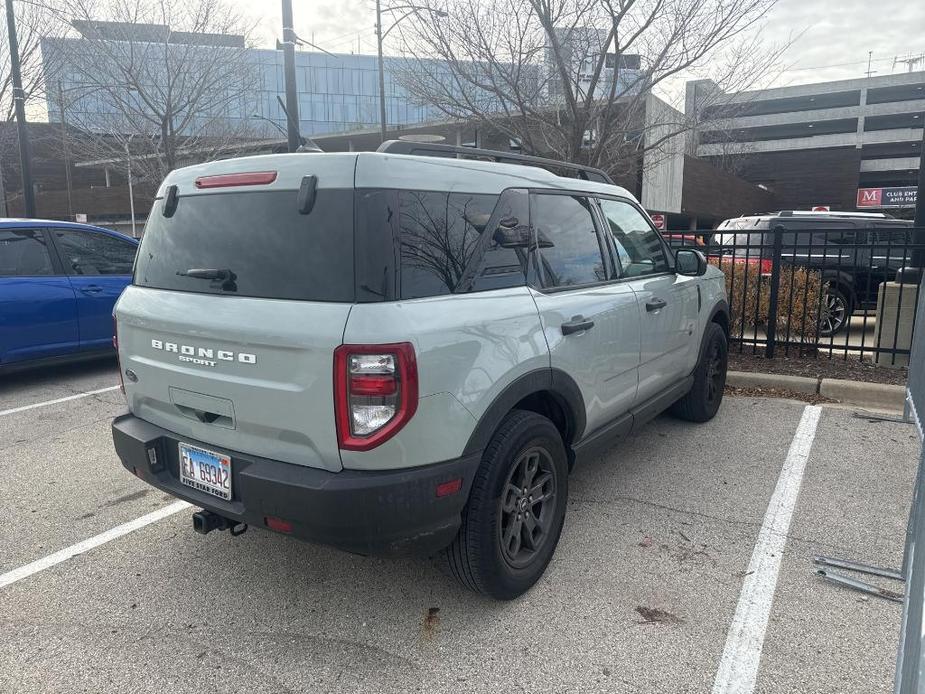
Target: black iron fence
[[829, 290]]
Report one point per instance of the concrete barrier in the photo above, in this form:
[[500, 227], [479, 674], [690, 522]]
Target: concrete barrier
[[877, 395]]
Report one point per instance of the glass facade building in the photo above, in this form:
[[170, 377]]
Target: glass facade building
[[337, 93]]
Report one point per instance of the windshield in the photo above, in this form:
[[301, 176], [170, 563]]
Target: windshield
[[252, 244]]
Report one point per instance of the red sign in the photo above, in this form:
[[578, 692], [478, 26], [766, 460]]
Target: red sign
[[902, 196], [870, 197], [822, 208], [658, 220]]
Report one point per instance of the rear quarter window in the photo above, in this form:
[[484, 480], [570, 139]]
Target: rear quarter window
[[415, 244]]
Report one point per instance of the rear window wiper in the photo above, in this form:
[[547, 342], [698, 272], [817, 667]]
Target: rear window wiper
[[207, 273]]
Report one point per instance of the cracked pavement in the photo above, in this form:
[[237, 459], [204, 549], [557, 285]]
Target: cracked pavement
[[638, 597]]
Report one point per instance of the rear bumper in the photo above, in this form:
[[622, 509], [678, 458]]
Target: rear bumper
[[387, 512]]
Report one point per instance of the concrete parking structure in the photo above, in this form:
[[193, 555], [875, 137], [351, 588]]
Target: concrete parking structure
[[640, 596]]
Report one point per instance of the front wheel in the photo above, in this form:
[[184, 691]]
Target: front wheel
[[516, 509], [703, 400]]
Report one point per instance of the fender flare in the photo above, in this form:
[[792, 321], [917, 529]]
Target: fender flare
[[554, 381], [721, 307]]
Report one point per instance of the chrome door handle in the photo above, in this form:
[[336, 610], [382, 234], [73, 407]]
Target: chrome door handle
[[576, 325], [655, 305]]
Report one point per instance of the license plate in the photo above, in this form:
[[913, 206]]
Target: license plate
[[207, 471]]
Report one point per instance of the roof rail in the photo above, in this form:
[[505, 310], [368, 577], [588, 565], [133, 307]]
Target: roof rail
[[833, 213], [559, 168]]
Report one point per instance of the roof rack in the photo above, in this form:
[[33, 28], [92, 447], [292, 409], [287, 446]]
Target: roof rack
[[559, 168], [833, 213]]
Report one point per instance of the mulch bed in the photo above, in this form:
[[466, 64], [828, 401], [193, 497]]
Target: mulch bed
[[821, 366]]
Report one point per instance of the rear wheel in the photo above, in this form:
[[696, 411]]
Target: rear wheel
[[705, 396], [512, 522], [835, 311]]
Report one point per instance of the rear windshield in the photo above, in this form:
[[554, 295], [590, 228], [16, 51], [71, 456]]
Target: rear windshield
[[256, 242]]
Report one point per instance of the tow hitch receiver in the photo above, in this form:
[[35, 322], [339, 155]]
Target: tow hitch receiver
[[205, 522]]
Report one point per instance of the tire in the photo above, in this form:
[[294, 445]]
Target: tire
[[836, 310], [705, 396], [492, 553]]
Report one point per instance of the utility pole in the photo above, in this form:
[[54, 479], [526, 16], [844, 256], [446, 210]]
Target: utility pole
[[19, 99], [918, 254], [67, 158], [292, 99], [382, 121]]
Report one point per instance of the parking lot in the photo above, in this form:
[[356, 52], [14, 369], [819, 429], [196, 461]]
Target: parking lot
[[640, 597]]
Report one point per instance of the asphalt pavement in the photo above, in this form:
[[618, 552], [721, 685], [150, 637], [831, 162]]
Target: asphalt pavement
[[640, 595]]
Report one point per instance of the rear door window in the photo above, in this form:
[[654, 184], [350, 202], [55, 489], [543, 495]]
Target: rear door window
[[24, 253], [94, 253], [258, 244], [568, 242]]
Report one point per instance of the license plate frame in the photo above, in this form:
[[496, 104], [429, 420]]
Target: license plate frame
[[205, 470]]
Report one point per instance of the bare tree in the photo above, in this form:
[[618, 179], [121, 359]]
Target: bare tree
[[561, 77], [169, 80], [33, 24]]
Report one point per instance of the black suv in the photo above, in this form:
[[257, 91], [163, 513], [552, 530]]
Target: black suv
[[854, 251]]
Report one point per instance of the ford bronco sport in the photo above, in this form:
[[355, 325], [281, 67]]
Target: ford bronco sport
[[395, 352]]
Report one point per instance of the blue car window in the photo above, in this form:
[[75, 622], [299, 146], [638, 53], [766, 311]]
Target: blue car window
[[94, 253], [23, 253]]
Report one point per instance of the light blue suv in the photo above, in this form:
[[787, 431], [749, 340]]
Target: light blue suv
[[405, 350]]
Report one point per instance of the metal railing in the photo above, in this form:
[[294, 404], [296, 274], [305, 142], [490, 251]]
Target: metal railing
[[814, 292]]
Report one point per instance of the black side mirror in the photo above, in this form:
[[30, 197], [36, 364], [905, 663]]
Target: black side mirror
[[690, 262]]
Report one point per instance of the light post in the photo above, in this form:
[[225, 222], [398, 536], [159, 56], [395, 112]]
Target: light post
[[19, 100], [272, 122], [131, 195], [380, 37], [292, 98], [913, 272]]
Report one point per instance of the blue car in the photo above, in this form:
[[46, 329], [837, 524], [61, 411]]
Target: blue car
[[58, 284]]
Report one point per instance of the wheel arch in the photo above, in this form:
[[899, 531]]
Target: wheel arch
[[549, 392], [844, 280], [720, 314]]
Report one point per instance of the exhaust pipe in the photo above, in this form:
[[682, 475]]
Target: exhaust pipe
[[205, 522]]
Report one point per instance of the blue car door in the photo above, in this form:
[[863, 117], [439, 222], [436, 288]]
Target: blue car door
[[99, 266], [38, 310]]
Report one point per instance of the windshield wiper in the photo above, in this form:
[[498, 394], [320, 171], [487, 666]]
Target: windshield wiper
[[201, 273]]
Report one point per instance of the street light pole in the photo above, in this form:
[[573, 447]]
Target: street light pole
[[19, 102], [131, 194], [380, 36], [382, 121], [292, 102], [918, 253], [920, 193]]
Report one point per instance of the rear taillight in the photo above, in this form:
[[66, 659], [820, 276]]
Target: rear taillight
[[375, 393], [765, 265], [115, 344]]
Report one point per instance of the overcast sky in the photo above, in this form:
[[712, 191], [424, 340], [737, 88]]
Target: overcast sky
[[832, 37]]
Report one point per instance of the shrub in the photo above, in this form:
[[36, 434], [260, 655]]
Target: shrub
[[798, 303]]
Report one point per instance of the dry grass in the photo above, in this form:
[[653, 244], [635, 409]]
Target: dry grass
[[798, 299]]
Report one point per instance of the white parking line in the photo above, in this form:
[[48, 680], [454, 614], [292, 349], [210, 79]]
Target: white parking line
[[738, 668], [67, 553], [57, 400]]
